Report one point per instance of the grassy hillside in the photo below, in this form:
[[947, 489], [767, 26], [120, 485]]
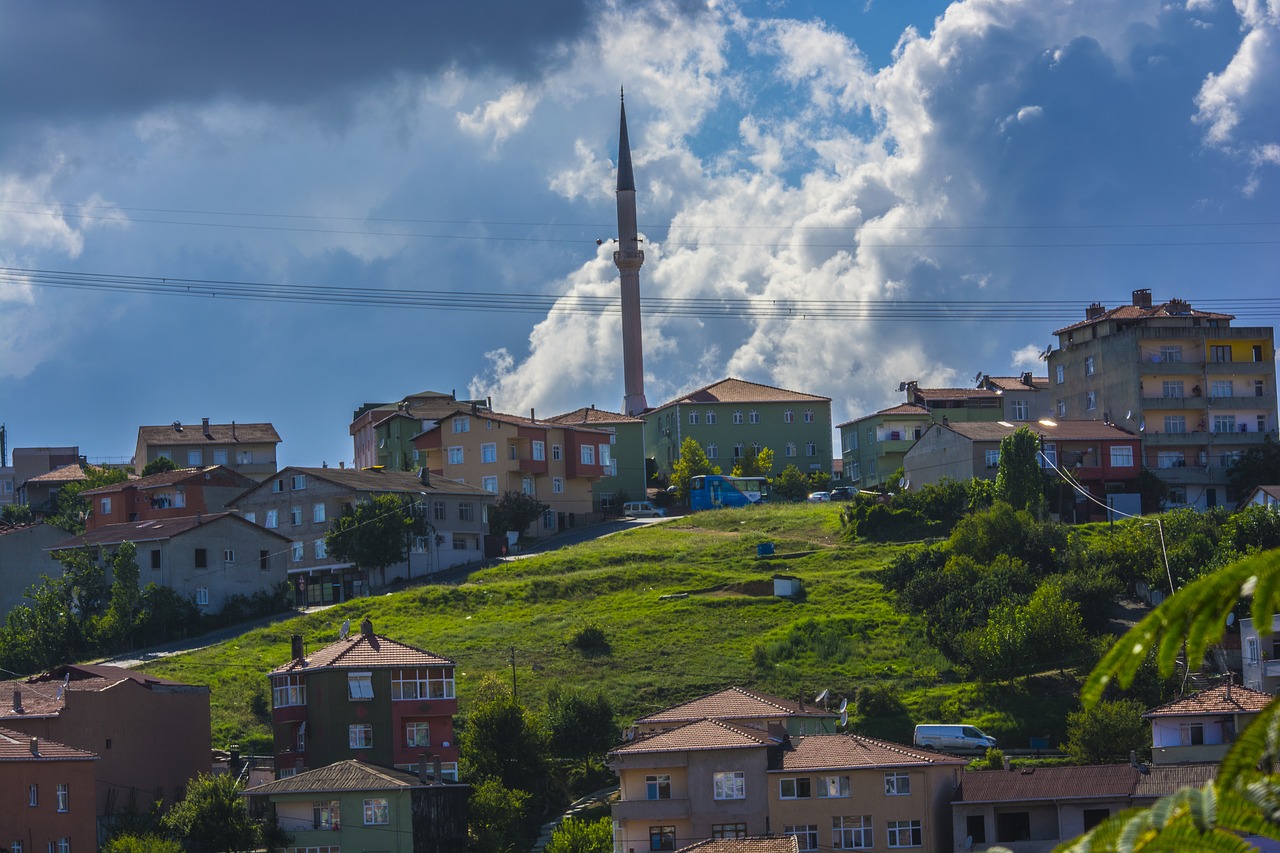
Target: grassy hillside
[[722, 627]]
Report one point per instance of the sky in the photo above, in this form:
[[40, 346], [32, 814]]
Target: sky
[[276, 212]]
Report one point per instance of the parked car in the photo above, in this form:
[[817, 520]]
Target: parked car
[[642, 509], [819, 497], [937, 736], [843, 493]]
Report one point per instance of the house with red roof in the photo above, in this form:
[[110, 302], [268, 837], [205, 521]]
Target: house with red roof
[[46, 794], [364, 697], [747, 707], [1200, 727], [171, 494], [626, 477]]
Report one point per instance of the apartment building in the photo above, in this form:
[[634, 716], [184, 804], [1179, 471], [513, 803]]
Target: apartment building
[[383, 433], [1199, 390], [46, 795], [874, 447], [171, 494], [247, 448], [626, 478]]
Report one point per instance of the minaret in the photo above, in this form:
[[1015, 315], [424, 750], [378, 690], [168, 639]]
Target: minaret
[[629, 258]]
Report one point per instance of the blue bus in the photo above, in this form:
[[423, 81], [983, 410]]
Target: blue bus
[[712, 491]]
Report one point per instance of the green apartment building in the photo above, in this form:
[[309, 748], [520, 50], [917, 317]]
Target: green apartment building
[[874, 446], [625, 477], [734, 416]]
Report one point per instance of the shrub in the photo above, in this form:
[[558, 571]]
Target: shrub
[[590, 640]]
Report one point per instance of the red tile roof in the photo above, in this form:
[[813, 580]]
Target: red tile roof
[[171, 478], [1173, 308], [348, 775], [740, 391], [361, 651], [703, 734], [954, 393], [186, 434], [519, 421], [1160, 780], [16, 746], [1015, 383], [757, 844], [592, 415], [151, 530], [900, 409], [65, 474], [849, 751], [1214, 701], [733, 703], [44, 695], [1095, 782], [1060, 431], [379, 480]]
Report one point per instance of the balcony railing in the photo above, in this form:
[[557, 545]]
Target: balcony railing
[[673, 808]]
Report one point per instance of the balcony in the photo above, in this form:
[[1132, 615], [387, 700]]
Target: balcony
[[901, 445], [675, 808], [1271, 668], [1175, 403], [529, 466]]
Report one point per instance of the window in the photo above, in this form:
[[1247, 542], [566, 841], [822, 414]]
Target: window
[[1172, 389], [791, 448], [298, 482], [897, 784], [288, 690], [1259, 388], [16, 847], [711, 418], [808, 416], [833, 786], [1049, 455], [588, 454], [220, 457], [64, 798], [557, 485], [462, 423], [33, 795], [1019, 410], [1189, 734], [806, 835], [1121, 456], [539, 451], [993, 458], [273, 519], [693, 418], [297, 549], [555, 453], [489, 453], [1090, 400], [729, 785], [1220, 353], [359, 685], [811, 449], [728, 830], [737, 417], [788, 417], [738, 450], [657, 787], [325, 815], [106, 506], [489, 484], [422, 684], [1224, 423], [526, 485], [277, 485], [753, 416], [548, 519], [155, 560], [1175, 423], [229, 556], [1171, 353], [799, 788], [164, 454], [321, 549], [195, 458], [376, 812], [439, 512], [455, 456], [1060, 375], [202, 558], [905, 833], [1171, 459], [317, 513], [851, 833], [202, 596], [417, 734], [466, 511], [1222, 388], [295, 515], [712, 451], [1062, 409], [244, 457], [360, 736], [1251, 650], [662, 838]]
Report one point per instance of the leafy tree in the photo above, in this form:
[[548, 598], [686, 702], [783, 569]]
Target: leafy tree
[[819, 481], [70, 510], [692, 462], [1019, 480], [17, 514], [159, 465], [496, 816], [1046, 632], [791, 484], [131, 843], [121, 618], [1106, 732], [41, 635], [501, 739], [946, 501], [377, 533], [580, 726], [582, 836], [1257, 466], [752, 464], [212, 817], [514, 511]]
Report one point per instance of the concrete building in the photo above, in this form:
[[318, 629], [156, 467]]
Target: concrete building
[[1200, 391], [24, 557], [744, 707], [367, 698], [172, 494], [732, 416], [46, 795], [1200, 727], [625, 479], [247, 448], [383, 433], [1024, 397], [1268, 496], [41, 491], [151, 735], [873, 447], [301, 504], [1260, 656]]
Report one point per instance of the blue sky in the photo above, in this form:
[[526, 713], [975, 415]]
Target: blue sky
[[1034, 152]]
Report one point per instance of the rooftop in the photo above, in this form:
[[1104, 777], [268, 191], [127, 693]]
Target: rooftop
[[589, 415], [171, 478], [16, 746], [1174, 308], [733, 703], [179, 433], [363, 651], [1094, 782], [381, 480], [65, 474], [1223, 699], [757, 844], [849, 751], [44, 695], [151, 530], [741, 391], [702, 734], [1059, 431], [349, 775]]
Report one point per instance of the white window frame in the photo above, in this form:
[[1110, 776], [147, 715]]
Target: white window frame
[[489, 484], [288, 690], [317, 513], [1121, 456], [297, 482], [229, 556], [202, 596], [1222, 388], [1019, 410], [737, 417], [360, 736], [992, 458], [1090, 401], [377, 811], [693, 418], [359, 686], [795, 788], [244, 457], [488, 453], [808, 416], [856, 830], [539, 451], [417, 733], [832, 787], [462, 423], [753, 416], [557, 485], [457, 456], [417, 684], [657, 786], [711, 418], [1060, 374], [220, 456], [588, 453], [321, 549], [273, 519], [299, 551], [64, 797], [1088, 365], [805, 834], [1176, 424], [195, 458], [556, 453], [791, 449], [789, 416], [295, 516], [729, 785], [897, 784], [712, 451], [896, 829]]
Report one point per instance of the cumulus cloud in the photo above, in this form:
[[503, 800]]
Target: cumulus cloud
[[501, 117]]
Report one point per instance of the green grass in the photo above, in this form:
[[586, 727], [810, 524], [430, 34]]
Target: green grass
[[729, 629]]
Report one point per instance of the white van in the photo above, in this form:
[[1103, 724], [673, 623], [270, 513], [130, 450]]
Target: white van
[[642, 509], [936, 736]]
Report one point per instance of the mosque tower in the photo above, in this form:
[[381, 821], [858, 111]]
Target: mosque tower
[[628, 259]]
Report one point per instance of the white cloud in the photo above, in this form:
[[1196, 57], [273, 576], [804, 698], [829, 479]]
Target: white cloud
[[1027, 358], [501, 117]]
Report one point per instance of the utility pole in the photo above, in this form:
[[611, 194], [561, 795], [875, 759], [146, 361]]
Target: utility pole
[[513, 673]]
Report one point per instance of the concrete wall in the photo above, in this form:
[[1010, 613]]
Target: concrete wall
[[23, 560]]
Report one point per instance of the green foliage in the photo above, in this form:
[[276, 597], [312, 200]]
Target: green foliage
[[1045, 633], [130, 843], [981, 493], [878, 523], [992, 760], [501, 739], [514, 511], [496, 817], [946, 501], [790, 485], [121, 619], [17, 514], [752, 464], [582, 836], [1019, 479], [159, 465], [377, 533], [70, 510], [1257, 466], [212, 817], [819, 481], [1105, 733], [590, 639], [692, 462], [580, 725]]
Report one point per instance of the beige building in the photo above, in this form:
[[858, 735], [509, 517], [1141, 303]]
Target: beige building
[[557, 463], [247, 448], [383, 433]]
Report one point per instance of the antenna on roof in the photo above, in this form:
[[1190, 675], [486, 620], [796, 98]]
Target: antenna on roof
[[346, 629], [977, 378], [1044, 356], [844, 712], [821, 698]]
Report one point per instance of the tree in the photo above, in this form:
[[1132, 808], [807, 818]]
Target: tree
[[17, 514], [212, 817], [1047, 632], [130, 843], [580, 726], [1259, 465], [514, 511], [377, 533], [752, 464], [791, 484], [126, 598], [70, 510], [1106, 732], [692, 462], [582, 836], [496, 815], [1019, 480], [159, 465]]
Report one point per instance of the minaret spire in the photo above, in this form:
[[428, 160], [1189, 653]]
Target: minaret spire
[[628, 259]]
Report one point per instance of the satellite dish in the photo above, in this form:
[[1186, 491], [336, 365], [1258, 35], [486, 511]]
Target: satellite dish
[[844, 706], [1044, 356], [821, 697], [346, 629], [1231, 619], [1142, 426], [1128, 415], [968, 843], [902, 482], [977, 377]]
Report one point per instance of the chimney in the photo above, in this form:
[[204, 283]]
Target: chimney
[[204, 422], [1142, 298], [366, 627], [342, 463], [1026, 379], [35, 746], [1008, 764], [296, 643], [425, 476], [1094, 311], [438, 769], [1133, 758], [233, 431], [532, 416], [17, 701]]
